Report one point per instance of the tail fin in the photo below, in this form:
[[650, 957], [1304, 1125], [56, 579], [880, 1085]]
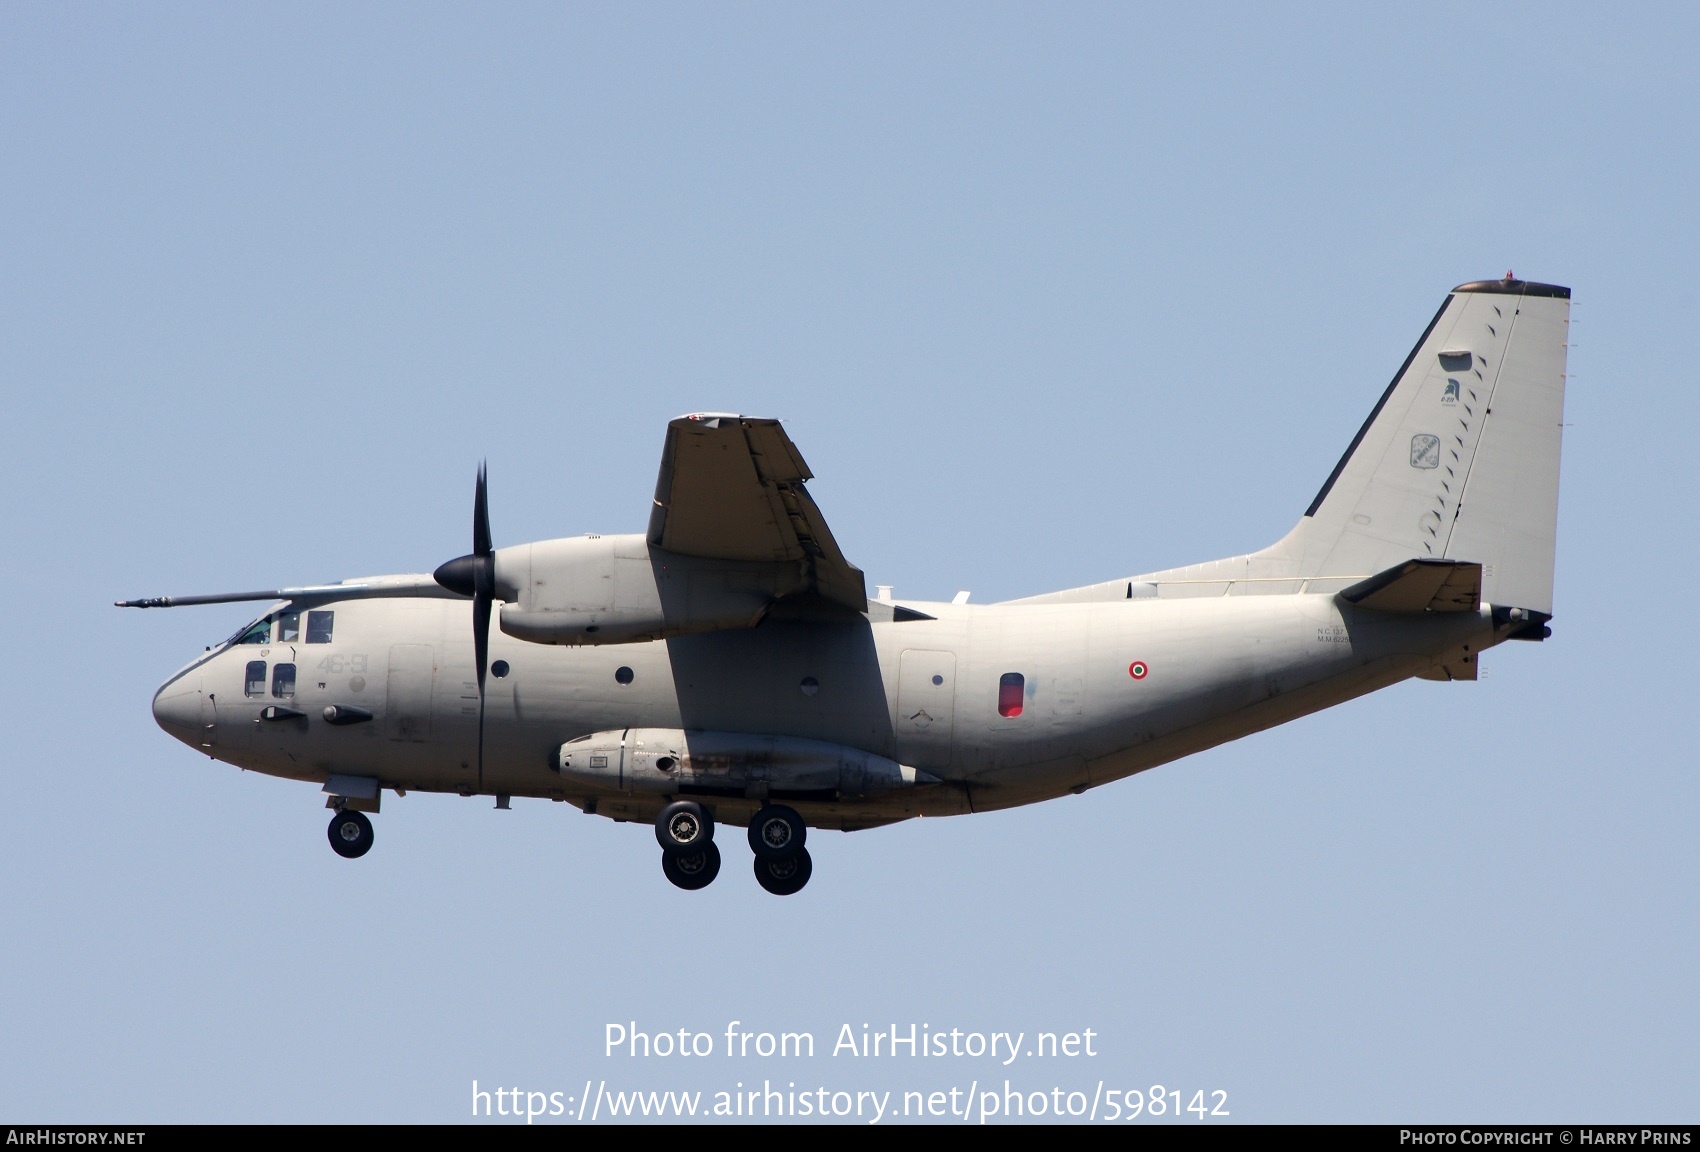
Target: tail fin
[[1459, 459]]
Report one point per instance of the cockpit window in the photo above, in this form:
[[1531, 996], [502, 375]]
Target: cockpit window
[[319, 627], [259, 632], [254, 683], [289, 628], [283, 679]]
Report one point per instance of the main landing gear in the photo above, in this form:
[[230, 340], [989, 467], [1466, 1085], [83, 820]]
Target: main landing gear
[[692, 870], [782, 864], [690, 859], [350, 833], [685, 832], [785, 876]]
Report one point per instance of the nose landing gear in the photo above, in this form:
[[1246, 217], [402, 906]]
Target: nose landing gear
[[350, 833]]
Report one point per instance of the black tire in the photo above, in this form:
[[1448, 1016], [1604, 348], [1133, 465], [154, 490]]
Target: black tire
[[692, 870], [350, 834], [785, 877], [777, 832], [684, 825]]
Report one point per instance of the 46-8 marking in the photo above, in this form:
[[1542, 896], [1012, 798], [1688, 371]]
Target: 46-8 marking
[[1127, 1104]]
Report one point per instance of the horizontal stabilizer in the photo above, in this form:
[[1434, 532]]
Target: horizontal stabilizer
[[1420, 586]]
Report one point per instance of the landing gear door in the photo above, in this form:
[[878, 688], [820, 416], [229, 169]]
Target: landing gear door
[[407, 706], [926, 706]]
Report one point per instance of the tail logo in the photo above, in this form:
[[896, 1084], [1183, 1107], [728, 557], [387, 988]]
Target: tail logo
[[1450, 396], [1425, 451]]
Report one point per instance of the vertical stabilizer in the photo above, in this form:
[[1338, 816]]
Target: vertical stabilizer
[[1458, 462], [1459, 459]]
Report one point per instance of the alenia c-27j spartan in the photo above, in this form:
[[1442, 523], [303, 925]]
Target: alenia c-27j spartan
[[727, 666]]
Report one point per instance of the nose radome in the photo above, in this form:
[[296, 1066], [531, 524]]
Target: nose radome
[[177, 708]]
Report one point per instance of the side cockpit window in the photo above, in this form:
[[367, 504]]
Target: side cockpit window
[[254, 683], [319, 627], [259, 632], [289, 628]]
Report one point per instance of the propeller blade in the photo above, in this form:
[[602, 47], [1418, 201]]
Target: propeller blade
[[483, 596], [474, 575], [481, 517], [481, 605]]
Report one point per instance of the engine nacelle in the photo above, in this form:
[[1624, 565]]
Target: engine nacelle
[[670, 760], [619, 589]]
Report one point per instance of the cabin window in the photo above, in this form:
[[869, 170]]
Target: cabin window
[[289, 628], [254, 683], [283, 679], [319, 627], [1011, 688], [259, 632]]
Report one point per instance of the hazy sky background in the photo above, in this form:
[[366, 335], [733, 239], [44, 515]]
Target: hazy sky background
[[1046, 295]]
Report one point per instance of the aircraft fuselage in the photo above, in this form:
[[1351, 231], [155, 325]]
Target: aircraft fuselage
[[1105, 689]]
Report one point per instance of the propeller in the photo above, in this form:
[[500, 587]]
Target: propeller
[[474, 575]]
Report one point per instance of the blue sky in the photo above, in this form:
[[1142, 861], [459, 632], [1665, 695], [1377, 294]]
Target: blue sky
[[1046, 296]]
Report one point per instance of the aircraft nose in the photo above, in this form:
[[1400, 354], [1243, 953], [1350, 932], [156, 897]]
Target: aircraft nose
[[177, 708]]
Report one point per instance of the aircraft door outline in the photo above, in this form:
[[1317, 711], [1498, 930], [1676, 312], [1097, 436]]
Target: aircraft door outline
[[926, 705], [407, 703]]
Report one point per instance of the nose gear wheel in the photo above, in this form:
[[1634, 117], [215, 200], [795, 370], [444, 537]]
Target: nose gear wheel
[[350, 834]]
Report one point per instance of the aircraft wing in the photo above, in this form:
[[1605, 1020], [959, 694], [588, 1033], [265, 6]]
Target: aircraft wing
[[732, 488]]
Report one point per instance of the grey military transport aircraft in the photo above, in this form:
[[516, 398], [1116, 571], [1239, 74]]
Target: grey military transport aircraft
[[728, 667]]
